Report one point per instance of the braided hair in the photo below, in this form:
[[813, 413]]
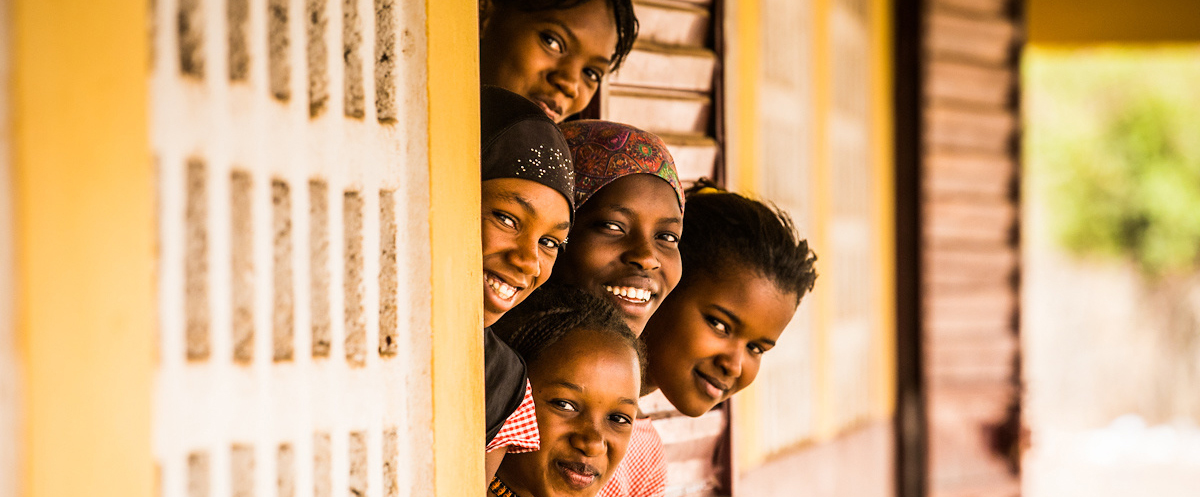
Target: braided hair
[[725, 231], [553, 312], [627, 23]]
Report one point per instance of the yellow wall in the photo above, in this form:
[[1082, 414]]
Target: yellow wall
[[1112, 21], [85, 242], [454, 240]]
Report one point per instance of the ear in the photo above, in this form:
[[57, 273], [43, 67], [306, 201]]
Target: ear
[[486, 9]]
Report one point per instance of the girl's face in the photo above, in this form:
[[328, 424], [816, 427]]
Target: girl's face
[[707, 340], [585, 388], [625, 246], [524, 223], [555, 58]]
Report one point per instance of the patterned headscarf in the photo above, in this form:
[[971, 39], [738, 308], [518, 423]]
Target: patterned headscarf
[[604, 151], [519, 141]]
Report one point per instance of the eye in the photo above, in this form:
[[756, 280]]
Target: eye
[[592, 74], [505, 219], [563, 405], [610, 226], [621, 419], [755, 349], [717, 325], [552, 42], [551, 243], [669, 237]]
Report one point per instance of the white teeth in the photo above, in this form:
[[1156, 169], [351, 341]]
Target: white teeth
[[504, 290], [639, 295]]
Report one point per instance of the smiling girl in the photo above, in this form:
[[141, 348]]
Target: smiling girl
[[554, 52], [625, 241], [527, 202], [585, 367]]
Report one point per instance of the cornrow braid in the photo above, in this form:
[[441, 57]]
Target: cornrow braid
[[724, 230], [627, 23], [553, 312]]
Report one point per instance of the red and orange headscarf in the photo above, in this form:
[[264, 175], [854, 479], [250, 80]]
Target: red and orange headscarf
[[603, 151]]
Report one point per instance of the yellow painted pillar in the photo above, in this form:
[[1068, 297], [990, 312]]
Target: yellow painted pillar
[[85, 246], [454, 242], [882, 138], [822, 105]]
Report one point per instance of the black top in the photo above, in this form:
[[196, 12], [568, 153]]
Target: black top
[[504, 377]]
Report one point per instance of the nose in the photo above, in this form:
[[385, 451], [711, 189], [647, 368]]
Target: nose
[[524, 256], [566, 78], [730, 361], [586, 438], [641, 254]]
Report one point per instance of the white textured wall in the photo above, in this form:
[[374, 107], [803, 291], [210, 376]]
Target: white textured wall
[[9, 399], [240, 408]]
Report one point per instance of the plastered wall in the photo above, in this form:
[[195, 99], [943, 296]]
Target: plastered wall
[[290, 138]]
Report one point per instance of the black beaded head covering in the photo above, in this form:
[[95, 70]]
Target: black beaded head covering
[[519, 141]]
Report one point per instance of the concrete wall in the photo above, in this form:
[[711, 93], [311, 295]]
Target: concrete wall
[[291, 143]]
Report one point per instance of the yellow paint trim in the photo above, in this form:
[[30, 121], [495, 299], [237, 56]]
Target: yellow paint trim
[[86, 245], [825, 416], [882, 133], [1071, 22], [457, 362]]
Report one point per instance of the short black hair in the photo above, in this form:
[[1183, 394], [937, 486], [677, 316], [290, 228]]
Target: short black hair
[[627, 23], [555, 311], [724, 230]]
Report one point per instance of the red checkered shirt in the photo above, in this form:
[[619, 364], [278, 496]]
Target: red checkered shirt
[[643, 471], [520, 430]]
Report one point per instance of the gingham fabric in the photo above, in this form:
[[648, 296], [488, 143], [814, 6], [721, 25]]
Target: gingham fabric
[[520, 430], [643, 471]]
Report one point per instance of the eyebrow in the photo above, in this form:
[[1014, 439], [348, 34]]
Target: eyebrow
[[571, 386], [574, 40], [512, 196], [738, 322], [629, 212]]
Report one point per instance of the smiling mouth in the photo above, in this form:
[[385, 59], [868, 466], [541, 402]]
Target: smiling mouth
[[711, 386], [503, 290], [630, 294], [552, 112], [578, 475]]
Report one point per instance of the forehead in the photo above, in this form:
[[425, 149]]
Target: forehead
[[592, 21], [589, 359], [642, 194], [763, 309]]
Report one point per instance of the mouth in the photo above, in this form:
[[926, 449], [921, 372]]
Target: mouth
[[499, 287], [578, 475], [631, 294], [710, 386], [552, 109]]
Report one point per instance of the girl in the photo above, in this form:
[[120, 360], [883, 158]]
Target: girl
[[585, 367], [744, 273], [527, 203], [554, 52], [625, 241]]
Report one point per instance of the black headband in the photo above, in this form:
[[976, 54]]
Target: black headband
[[520, 141]]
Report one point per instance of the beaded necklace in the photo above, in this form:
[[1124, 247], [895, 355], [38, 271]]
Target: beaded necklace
[[500, 489]]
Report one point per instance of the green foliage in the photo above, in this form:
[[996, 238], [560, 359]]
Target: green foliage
[[1117, 135]]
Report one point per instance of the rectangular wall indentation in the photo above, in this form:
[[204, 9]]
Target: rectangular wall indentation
[[356, 323], [241, 461], [237, 13], [318, 56], [283, 307], [322, 465], [318, 260], [198, 475], [242, 271], [389, 340], [385, 60], [354, 94], [391, 463], [195, 274], [279, 65], [189, 30], [358, 463], [285, 471]]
